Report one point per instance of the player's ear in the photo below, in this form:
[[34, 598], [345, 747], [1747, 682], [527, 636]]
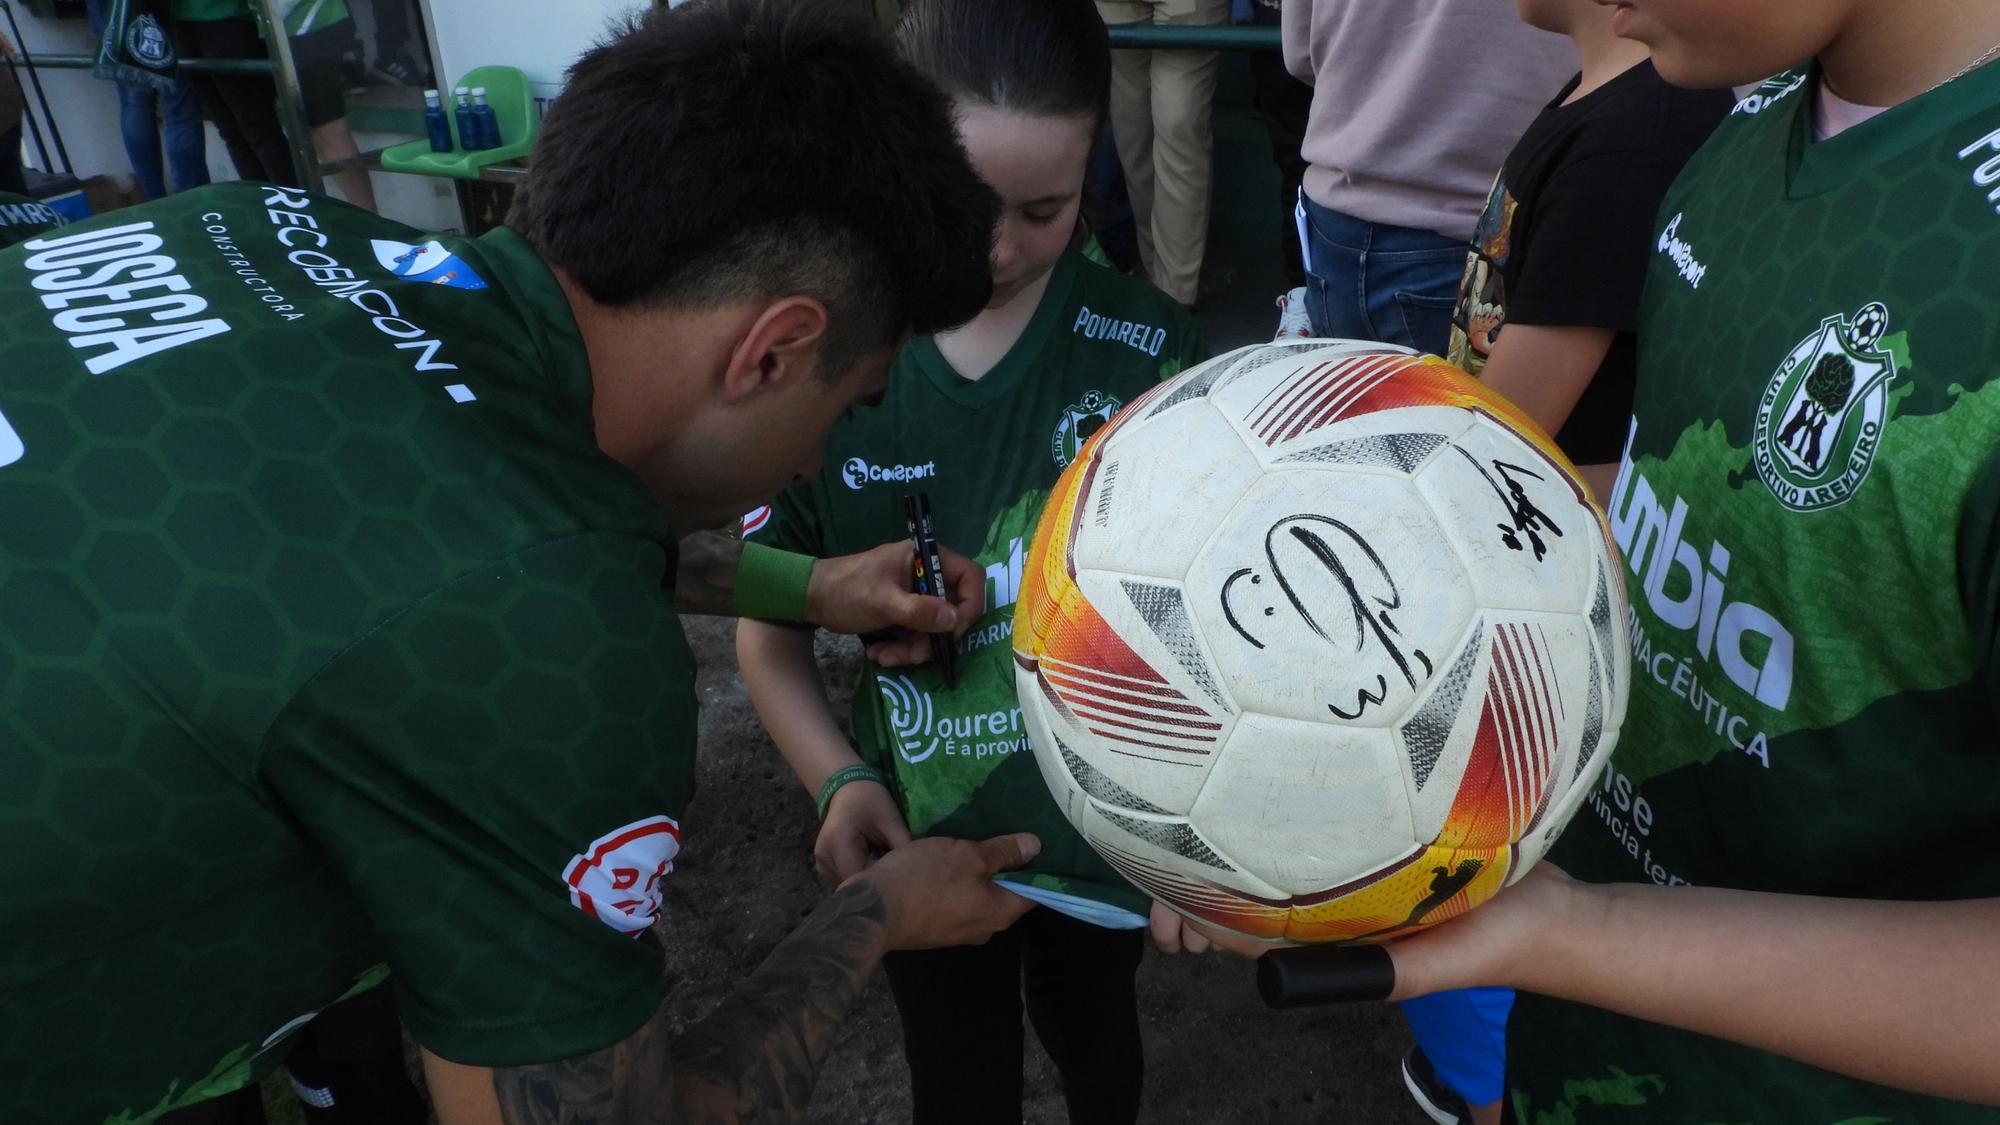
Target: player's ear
[[780, 349]]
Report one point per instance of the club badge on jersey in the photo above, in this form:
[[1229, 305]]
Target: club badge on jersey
[[1820, 419]]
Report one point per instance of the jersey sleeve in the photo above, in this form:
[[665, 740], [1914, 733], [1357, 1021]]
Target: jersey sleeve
[[792, 522], [1585, 263], [499, 773], [1979, 570]]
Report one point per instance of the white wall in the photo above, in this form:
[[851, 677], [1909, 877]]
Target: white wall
[[541, 37]]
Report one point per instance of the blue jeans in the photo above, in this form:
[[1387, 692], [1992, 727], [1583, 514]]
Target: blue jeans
[[179, 120], [1371, 281], [144, 115]]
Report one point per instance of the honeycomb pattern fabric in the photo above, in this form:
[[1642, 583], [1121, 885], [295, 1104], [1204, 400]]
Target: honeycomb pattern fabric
[[328, 639], [1809, 512]]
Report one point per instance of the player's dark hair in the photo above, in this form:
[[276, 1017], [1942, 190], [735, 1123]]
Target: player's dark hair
[[1029, 56], [752, 149]]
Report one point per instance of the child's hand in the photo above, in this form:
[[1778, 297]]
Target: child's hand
[[862, 822]]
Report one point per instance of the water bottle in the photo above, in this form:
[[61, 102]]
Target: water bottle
[[435, 123], [484, 119], [468, 128]]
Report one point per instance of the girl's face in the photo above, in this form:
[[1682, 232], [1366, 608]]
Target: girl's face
[[1035, 163]]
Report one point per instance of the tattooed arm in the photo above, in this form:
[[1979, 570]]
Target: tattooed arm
[[755, 1058], [705, 580]]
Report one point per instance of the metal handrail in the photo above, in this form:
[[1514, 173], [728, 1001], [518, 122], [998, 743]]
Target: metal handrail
[[1218, 37], [210, 66]]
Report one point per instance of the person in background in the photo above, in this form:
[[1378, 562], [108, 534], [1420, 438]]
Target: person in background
[[1414, 106], [1285, 104], [152, 107], [321, 34], [244, 106], [1160, 105], [1560, 253]]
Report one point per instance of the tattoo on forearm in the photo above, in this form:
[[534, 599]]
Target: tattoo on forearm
[[753, 1059], [765, 1043], [705, 581]]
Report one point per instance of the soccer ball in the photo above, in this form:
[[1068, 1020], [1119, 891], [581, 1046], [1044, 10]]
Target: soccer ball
[[1321, 641]]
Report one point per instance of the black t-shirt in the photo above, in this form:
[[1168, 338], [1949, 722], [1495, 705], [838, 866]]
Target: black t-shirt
[[1564, 238]]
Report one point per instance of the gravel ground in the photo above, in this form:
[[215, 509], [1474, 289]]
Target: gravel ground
[[1214, 1053]]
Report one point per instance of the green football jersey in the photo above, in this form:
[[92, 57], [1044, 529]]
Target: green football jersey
[[1809, 510], [21, 217], [987, 452], [328, 640]]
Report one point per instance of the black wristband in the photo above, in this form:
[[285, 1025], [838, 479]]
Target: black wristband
[[1297, 978]]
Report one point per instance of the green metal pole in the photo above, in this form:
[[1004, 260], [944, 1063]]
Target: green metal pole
[[1220, 37], [207, 66]]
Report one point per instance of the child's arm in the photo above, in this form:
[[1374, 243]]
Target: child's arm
[[1544, 369], [784, 685], [1900, 993]]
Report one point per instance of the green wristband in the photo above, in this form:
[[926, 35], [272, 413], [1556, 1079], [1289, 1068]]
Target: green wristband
[[843, 775], [771, 584]]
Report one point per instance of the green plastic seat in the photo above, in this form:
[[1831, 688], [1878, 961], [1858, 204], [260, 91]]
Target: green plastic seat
[[513, 107]]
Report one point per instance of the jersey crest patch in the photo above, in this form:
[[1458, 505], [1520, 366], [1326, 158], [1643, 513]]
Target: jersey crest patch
[[617, 878], [1079, 420], [427, 262], [1820, 419]]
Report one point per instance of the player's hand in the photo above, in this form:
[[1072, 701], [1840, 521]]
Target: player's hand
[[862, 821], [1175, 933], [870, 593], [940, 892]]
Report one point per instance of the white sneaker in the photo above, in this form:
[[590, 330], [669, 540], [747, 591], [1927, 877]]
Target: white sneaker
[[1293, 324]]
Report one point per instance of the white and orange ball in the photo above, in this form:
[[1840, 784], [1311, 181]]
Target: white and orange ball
[[1321, 641]]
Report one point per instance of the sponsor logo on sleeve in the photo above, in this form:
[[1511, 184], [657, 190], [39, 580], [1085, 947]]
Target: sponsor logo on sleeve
[[617, 878], [428, 262], [755, 519]]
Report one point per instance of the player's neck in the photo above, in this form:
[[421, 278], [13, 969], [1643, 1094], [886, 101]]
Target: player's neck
[[975, 348], [1893, 50], [1601, 55]]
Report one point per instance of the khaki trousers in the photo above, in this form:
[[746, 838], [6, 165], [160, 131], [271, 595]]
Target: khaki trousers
[[1160, 103]]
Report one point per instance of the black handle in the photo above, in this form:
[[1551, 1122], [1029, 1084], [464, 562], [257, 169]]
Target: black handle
[[1298, 978]]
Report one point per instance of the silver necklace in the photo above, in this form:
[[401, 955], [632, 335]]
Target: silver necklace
[[1991, 53]]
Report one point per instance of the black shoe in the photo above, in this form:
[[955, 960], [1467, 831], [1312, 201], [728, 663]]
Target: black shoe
[[401, 71], [1432, 1095]]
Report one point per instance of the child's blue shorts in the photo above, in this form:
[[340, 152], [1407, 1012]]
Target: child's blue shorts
[[1464, 1034]]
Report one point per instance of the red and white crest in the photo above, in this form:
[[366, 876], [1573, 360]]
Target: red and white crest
[[618, 877], [754, 520]]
